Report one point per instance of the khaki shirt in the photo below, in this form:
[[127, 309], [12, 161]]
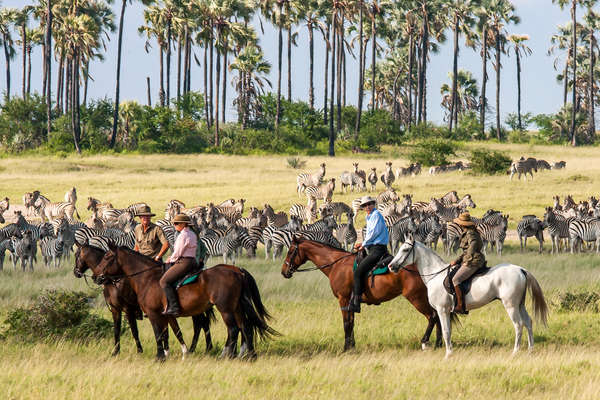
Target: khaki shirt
[[471, 244], [149, 242]]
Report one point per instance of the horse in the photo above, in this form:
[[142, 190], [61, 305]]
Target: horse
[[121, 297], [336, 264], [505, 282], [231, 289]]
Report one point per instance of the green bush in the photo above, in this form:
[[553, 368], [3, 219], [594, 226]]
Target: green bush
[[489, 162], [57, 314], [579, 301], [433, 152], [23, 123]]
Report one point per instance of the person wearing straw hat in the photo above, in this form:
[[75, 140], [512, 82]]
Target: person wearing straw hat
[[375, 241], [470, 260], [183, 259], [150, 240]]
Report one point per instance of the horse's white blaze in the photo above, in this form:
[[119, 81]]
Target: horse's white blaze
[[166, 353], [506, 282], [184, 351]]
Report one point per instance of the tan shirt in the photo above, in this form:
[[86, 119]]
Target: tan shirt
[[149, 242]]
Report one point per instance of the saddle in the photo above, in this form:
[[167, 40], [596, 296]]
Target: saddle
[[380, 267], [465, 286], [188, 278]]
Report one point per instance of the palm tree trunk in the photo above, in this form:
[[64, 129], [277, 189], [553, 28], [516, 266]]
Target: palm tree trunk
[[59, 83], [28, 70], [591, 114], [423, 67], [279, 54], [311, 52], [7, 58], [344, 80], [373, 61], [186, 61], [161, 92], [327, 46], [211, 81], [206, 110], [68, 87], [217, 83], [74, 107], [484, 79], [289, 61], [331, 100], [340, 45], [574, 47], [454, 73], [360, 70], [113, 136], [519, 88], [497, 84], [44, 69], [86, 79], [566, 78], [48, 71], [224, 103], [168, 98], [410, 73], [24, 37], [148, 91], [179, 49]]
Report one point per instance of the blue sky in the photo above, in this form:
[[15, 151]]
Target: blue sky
[[541, 92]]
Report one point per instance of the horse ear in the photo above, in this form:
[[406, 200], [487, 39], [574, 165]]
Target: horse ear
[[409, 237]]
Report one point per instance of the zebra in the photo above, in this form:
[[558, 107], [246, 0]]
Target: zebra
[[359, 172], [4, 205], [283, 238], [110, 216], [388, 178], [293, 225], [523, 167], [327, 224], [279, 219], [71, 196], [558, 228], [446, 213], [584, 230], [256, 218], [450, 198], [429, 231], [493, 234], [559, 165], [398, 229], [542, 165], [466, 202], [49, 211], [306, 213], [337, 209], [353, 180], [225, 246], [231, 214], [24, 249], [346, 234], [52, 249], [372, 178], [530, 226], [305, 179], [387, 196], [322, 192], [7, 244]]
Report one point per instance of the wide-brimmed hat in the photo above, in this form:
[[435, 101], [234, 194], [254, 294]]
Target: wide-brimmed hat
[[182, 219], [145, 212], [366, 200], [464, 219]]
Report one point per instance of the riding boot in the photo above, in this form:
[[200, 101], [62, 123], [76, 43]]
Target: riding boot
[[460, 301], [172, 301], [354, 305]]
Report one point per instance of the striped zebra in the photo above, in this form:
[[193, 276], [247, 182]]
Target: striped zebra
[[305, 179], [558, 228], [225, 246], [387, 196], [559, 165], [256, 218], [71, 196], [398, 228], [352, 180], [169, 231], [25, 249], [429, 231], [584, 230], [110, 216], [326, 224], [450, 198], [494, 234], [4, 205], [277, 219], [523, 167], [542, 165], [49, 211], [372, 178], [336, 209], [293, 225], [231, 214], [446, 213], [306, 213], [388, 178], [530, 226], [359, 172], [346, 235], [5, 245], [321, 192], [52, 249], [283, 238]]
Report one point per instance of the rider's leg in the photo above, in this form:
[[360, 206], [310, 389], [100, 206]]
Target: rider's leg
[[170, 277], [374, 254]]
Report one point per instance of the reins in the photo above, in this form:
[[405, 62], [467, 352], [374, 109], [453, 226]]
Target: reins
[[117, 278], [326, 265], [412, 251]]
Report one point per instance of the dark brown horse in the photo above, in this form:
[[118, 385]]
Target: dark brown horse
[[336, 264], [120, 298], [230, 289]]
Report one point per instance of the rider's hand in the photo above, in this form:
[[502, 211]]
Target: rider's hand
[[157, 258]]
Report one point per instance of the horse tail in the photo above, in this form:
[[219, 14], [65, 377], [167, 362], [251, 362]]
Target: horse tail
[[540, 308], [254, 311]]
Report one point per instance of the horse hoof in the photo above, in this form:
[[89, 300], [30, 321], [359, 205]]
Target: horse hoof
[[425, 346], [140, 350]]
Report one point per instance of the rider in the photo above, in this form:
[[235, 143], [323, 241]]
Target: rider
[[470, 260], [150, 240], [375, 241], [183, 259]]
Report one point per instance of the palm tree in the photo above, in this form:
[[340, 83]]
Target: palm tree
[[155, 28], [21, 19], [113, 136], [251, 64], [561, 41], [485, 36], [501, 14], [7, 18], [592, 22], [521, 50], [464, 98], [35, 38]]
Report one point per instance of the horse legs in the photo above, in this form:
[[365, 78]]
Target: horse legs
[[197, 323], [160, 329], [232, 335], [116, 314], [131, 319], [515, 316], [348, 318], [446, 330], [527, 321], [178, 335], [247, 348]]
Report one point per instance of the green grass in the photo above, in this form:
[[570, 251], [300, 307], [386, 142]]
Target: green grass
[[306, 362]]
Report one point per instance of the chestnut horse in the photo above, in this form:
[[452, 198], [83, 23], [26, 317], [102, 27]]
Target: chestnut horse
[[120, 297], [231, 289], [337, 264]]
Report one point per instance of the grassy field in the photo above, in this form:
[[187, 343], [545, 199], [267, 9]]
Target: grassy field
[[306, 361]]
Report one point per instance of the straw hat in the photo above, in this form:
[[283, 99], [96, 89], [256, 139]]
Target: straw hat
[[366, 200], [182, 219], [145, 212], [464, 219]]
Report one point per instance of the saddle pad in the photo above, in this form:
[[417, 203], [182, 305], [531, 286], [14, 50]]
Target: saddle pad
[[379, 269], [465, 286], [186, 280]]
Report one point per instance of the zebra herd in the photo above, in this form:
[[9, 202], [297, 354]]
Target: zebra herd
[[524, 166]]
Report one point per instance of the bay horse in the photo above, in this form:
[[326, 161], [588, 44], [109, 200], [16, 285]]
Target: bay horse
[[232, 290], [120, 298], [505, 282], [336, 264]]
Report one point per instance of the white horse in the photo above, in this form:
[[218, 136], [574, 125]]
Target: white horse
[[506, 282]]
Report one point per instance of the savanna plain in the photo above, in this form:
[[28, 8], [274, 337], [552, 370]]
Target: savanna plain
[[306, 361]]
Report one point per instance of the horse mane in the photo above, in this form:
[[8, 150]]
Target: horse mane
[[300, 240], [147, 259], [436, 255]]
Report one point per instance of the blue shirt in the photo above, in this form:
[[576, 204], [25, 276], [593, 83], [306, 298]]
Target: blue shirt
[[377, 231]]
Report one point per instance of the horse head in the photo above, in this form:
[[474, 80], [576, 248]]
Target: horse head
[[401, 259], [108, 266], [294, 258]]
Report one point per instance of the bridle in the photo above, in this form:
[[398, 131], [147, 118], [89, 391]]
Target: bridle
[[412, 252], [295, 268], [104, 278]]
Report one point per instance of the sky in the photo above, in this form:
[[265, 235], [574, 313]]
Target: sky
[[540, 91]]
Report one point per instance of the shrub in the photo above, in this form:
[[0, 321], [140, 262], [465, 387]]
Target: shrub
[[580, 301], [295, 162], [57, 314], [433, 152], [23, 123], [512, 120], [489, 162]]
